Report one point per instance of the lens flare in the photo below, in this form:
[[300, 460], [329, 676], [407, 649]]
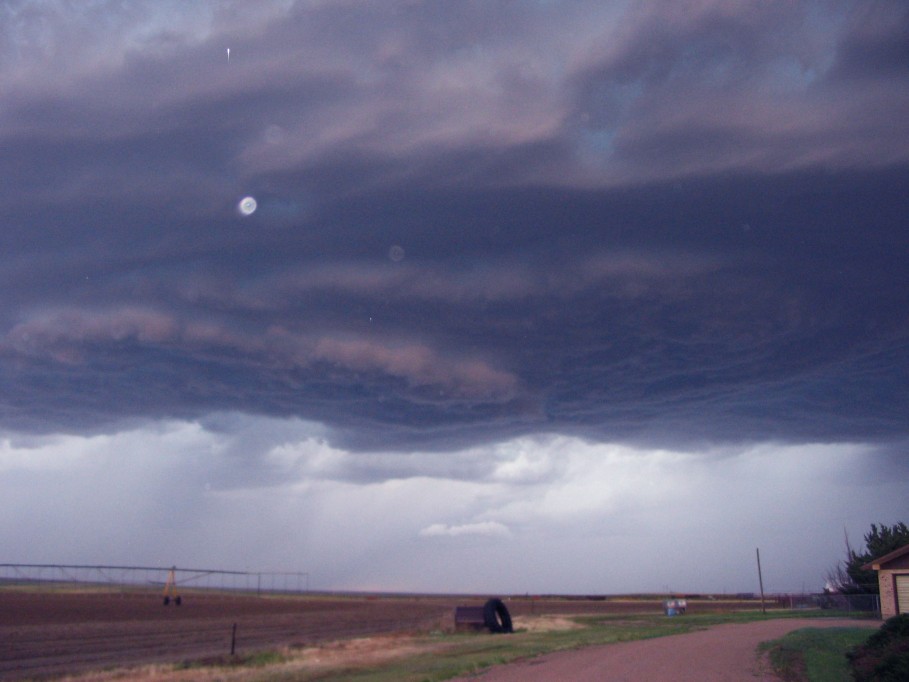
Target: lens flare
[[247, 206]]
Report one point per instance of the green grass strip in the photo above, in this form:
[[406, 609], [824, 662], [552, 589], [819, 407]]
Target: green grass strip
[[453, 655], [814, 654]]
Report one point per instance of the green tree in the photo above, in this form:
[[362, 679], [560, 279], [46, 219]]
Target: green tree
[[880, 540]]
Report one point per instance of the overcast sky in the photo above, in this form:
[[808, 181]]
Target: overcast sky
[[532, 296]]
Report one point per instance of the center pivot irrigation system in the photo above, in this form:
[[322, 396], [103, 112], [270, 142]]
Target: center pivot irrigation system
[[170, 588], [173, 579]]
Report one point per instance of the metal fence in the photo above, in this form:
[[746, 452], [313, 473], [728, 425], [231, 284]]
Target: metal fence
[[68, 576], [869, 604]]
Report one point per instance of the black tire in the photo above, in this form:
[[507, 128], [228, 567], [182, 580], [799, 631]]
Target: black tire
[[166, 601], [496, 616], [178, 600]]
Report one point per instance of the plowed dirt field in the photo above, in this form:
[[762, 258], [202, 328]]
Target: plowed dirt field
[[45, 635]]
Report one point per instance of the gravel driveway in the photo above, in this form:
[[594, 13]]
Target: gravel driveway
[[722, 652]]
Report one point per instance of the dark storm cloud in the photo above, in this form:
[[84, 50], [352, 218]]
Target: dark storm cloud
[[647, 222]]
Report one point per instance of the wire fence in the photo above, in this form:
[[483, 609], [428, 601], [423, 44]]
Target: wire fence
[[68, 576], [857, 604]]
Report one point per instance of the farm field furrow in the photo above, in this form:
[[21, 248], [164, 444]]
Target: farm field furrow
[[51, 634]]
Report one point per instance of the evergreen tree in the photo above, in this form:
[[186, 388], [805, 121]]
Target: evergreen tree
[[849, 576]]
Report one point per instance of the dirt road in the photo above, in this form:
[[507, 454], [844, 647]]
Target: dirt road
[[721, 653]]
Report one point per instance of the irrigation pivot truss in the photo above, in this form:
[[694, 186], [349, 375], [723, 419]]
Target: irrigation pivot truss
[[80, 575]]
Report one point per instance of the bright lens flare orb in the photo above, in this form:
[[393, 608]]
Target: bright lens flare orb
[[247, 205]]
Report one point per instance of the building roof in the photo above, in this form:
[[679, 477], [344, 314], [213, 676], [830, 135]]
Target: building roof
[[886, 559]]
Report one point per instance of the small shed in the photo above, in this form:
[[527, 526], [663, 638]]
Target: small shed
[[469, 618], [893, 579]]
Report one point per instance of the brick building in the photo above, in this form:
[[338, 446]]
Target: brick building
[[893, 578]]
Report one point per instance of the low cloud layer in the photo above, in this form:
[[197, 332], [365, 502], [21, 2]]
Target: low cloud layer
[[666, 227], [533, 514]]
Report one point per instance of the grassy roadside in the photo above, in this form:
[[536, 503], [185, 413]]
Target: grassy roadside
[[465, 654], [813, 654], [448, 656], [434, 657]]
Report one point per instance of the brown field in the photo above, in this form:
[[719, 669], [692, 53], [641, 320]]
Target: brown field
[[50, 634]]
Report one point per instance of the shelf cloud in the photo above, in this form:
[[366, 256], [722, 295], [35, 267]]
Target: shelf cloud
[[476, 230]]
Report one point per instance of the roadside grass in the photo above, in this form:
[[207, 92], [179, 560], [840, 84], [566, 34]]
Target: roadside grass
[[472, 653], [813, 654], [445, 656]]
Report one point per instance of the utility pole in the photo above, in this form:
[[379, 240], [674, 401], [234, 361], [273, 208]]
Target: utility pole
[[761, 580]]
